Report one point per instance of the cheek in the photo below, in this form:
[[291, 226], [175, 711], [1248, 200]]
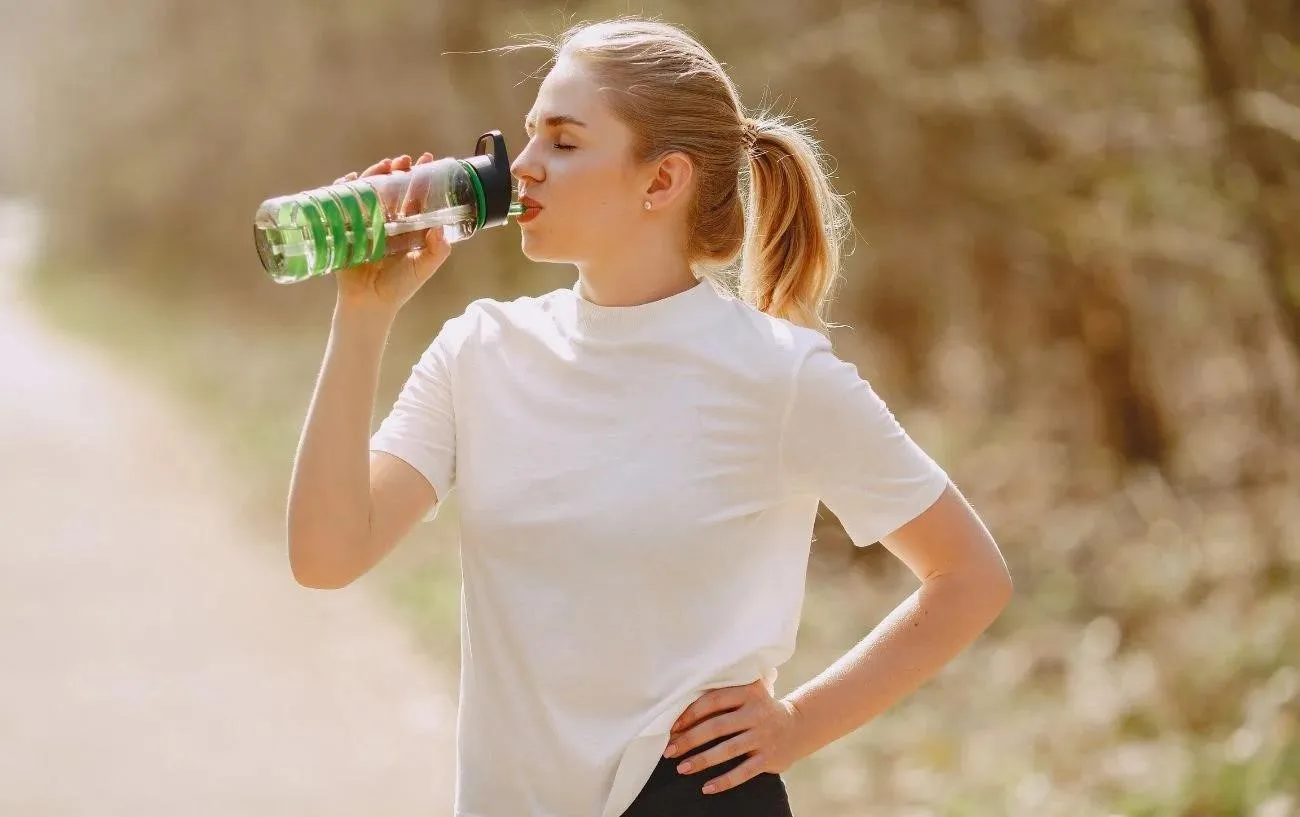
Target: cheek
[[590, 206], [597, 185]]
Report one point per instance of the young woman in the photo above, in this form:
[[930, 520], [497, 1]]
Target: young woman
[[639, 458]]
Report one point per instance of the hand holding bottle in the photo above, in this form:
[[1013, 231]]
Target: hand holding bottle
[[413, 258], [390, 225]]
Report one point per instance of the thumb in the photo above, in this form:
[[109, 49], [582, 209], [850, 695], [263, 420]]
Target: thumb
[[435, 251]]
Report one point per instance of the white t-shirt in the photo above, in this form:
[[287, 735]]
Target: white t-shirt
[[637, 490]]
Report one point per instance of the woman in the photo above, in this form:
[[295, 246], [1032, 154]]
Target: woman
[[639, 459]]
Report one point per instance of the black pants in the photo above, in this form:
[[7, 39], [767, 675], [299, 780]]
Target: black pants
[[668, 793]]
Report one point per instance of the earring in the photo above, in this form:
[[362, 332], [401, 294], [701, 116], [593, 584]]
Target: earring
[[647, 204]]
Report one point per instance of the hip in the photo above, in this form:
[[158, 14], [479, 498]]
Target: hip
[[669, 793]]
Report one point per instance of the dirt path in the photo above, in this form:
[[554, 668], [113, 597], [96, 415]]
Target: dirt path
[[155, 658]]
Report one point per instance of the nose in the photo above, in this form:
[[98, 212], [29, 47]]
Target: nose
[[525, 167]]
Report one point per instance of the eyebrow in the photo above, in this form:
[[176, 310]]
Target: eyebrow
[[555, 121]]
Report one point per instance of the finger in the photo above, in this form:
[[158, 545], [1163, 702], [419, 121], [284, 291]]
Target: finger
[[378, 168], [426, 260], [739, 744], [700, 708], [434, 241], [709, 729], [424, 245], [388, 188], [710, 703], [350, 177], [403, 243], [425, 158], [417, 192], [402, 162], [748, 770]]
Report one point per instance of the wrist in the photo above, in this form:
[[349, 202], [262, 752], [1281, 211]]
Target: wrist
[[802, 742], [359, 312]]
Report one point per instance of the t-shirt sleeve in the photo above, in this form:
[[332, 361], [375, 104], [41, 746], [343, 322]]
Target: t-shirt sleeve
[[420, 429], [842, 444]]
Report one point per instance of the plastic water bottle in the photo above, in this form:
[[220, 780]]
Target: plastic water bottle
[[318, 231]]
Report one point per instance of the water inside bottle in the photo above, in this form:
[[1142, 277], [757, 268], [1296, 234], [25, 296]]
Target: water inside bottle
[[311, 233], [321, 230]]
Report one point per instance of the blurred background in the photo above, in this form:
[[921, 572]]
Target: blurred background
[[1076, 278]]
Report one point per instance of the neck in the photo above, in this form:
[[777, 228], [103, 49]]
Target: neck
[[636, 278]]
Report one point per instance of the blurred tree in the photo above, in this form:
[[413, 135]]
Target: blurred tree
[[1250, 57], [1074, 277]]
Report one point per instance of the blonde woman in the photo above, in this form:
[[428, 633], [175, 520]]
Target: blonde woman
[[639, 458]]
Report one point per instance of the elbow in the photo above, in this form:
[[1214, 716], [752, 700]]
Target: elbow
[[1002, 589], [982, 592], [311, 571], [990, 579], [995, 589], [313, 581]]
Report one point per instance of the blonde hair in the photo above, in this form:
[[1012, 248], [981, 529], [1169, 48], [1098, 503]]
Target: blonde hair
[[675, 96]]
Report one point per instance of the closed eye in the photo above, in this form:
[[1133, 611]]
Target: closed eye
[[559, 146]]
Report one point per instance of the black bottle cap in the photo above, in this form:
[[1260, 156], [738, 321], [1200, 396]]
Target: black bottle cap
[[491, 162]]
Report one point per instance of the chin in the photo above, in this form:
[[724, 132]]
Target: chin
[[529, 249], [535, 249]]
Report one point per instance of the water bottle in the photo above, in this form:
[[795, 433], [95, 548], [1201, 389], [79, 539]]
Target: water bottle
[[318, 231]]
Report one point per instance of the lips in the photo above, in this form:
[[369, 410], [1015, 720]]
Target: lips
[[531, 209]]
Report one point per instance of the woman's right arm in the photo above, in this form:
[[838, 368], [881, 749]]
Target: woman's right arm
[[347, 506]]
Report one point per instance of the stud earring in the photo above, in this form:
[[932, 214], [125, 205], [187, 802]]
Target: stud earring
[[647, 204]]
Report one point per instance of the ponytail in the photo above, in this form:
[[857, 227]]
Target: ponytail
[[796, 227]]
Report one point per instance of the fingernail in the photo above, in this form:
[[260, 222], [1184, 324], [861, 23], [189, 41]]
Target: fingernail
[[710, 788], [684, 766], [671, 750]]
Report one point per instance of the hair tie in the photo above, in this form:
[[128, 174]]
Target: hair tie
[[749, 132]]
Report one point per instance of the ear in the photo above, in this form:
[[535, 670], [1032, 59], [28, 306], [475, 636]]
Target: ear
[[670, 180]]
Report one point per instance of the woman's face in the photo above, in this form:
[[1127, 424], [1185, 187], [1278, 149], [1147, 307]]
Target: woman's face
[[578, 168]]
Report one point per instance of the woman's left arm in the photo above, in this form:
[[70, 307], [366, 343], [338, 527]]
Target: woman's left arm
[[965, 585], [843, 444]]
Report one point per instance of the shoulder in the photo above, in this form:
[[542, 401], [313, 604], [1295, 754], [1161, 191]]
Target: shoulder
[[520, 310], [784, 344], [488, 320]]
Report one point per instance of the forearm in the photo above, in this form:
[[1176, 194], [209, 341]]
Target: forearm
[[329, 494], [910, 646]]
